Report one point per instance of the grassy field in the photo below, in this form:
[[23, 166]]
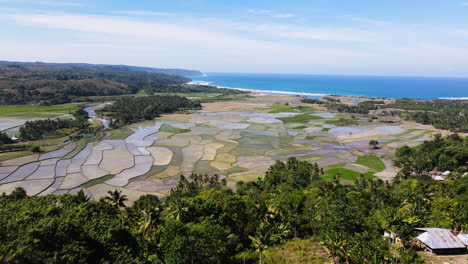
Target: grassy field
[[297, 251], [346, 174], [302, 118], [171, 129], [28, 111], [342, 122], [300, 127], [286, 108], [13, 155], [371, 161], [96, 181]]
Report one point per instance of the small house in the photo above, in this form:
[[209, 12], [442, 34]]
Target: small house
[[446, 173], [440, 241], [438, 178]]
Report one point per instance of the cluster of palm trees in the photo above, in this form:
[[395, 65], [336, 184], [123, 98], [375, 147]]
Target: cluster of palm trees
[[131, 109]]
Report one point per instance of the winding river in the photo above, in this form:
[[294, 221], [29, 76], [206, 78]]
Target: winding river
[[90, 110]]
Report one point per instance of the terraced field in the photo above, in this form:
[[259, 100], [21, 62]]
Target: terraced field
[[236, 142]]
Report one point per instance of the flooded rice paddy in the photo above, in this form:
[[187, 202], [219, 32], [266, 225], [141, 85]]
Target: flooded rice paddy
[[237, 145]]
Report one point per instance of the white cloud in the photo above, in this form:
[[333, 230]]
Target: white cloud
[[221, 45], [295, 32], [127, 26], [464, 4]]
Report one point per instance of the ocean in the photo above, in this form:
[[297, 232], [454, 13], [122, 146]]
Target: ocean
[[428, 88]]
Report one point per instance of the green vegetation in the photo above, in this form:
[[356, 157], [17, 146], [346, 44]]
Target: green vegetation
[[5, 139], [185, 88], [302, 118], [38, 129], [13, 147], [51, 84], [280, 108], [442, 153], [451, 119], [286, 108], [14, 154], [297, 251], [442, 114], [346, 174], [361, 108], [34, 149], [132, 109], [342, 122], [27, 111], [312, 101], [371, 161], [331, 99], [171, 129], [58, 84], [119, 134], [300, 127], [292, 215], [96, 181]]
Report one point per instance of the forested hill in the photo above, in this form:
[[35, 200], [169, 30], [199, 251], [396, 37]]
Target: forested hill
[[182, 72], [22, 83]]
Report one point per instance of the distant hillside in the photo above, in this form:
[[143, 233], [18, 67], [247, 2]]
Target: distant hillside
[[182, 72], [43, 83], [50, 84]]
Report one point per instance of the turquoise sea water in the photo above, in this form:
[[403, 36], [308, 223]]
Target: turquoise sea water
[[371, 86]]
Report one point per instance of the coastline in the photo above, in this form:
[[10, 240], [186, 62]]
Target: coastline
[[260, 91]]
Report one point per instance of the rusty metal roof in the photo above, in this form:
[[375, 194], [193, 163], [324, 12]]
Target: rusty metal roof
[[438, 238]]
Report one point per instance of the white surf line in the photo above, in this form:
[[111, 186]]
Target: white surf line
[[258, 91], [453, 98]]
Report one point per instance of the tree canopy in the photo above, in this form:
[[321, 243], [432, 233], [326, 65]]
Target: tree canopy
[[204, 221]]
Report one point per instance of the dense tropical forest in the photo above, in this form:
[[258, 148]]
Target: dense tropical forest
[[440, 153], [203, 221], [131, 109], [361, 108], [443, 114], [50, 84]]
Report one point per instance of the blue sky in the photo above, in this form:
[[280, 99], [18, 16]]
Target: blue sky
[[418, 37]]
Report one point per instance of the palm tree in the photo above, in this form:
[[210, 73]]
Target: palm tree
[[337, 247], [116, 199], [176, 209], [267, 234], [148, 222]]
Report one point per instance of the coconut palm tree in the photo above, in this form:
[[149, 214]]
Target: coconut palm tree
[[266, 235], [148, 222], [116, 199], [177, 209]]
